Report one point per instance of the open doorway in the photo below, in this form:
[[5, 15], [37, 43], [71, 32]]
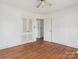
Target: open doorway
[[40, 29]]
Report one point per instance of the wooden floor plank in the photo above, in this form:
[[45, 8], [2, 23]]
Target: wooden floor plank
[[39, 50]]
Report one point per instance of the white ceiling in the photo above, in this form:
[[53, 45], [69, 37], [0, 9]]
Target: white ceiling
[[30, 5]]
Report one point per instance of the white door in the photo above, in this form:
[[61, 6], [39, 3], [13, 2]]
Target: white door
[[27, 35], [48, 29]]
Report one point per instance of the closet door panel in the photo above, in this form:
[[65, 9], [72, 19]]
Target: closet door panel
[[47, 30], [27, 33]]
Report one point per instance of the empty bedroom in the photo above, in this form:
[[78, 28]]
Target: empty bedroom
[[38, 29]]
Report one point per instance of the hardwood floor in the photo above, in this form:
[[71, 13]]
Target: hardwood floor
[[39, 50]]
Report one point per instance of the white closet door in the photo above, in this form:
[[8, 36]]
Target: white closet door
[[27, 35], [47, 29]]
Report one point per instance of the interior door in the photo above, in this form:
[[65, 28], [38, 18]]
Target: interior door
[[47, 29], [27, 35]]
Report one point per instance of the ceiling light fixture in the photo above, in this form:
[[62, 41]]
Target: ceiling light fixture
[[43, 3]]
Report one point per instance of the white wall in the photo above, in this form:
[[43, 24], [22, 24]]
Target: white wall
[[9, 35], [11, 25], [64, 26]]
